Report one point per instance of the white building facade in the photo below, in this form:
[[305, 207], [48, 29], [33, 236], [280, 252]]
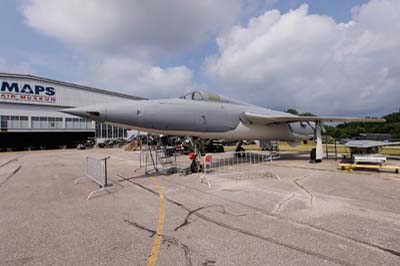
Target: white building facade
[[30, 111]]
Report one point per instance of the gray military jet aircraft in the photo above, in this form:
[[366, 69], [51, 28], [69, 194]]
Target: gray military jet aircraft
[[207, 115]]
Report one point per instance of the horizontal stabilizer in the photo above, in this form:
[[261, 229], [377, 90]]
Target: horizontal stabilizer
[[270, 119], [369, 144]]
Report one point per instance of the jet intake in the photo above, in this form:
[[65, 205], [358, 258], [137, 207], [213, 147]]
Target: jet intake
[[93, 113], [302, 130]]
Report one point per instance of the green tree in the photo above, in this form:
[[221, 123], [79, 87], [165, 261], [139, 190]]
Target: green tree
[[307, 114], [292, 111]]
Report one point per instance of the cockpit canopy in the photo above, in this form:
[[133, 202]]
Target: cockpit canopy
[[207, 96], [201, 96]]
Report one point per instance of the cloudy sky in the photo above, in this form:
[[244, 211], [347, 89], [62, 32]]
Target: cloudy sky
[[329, 57]]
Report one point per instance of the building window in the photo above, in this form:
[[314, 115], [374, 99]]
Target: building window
[[69, 123], [76, 122], [98, 130], [24, 121], [103, 131], [109, 132], [52, 122], [45, 122], [35, 122], [4, 121], [59, 122], [88, 123], [14, 122], [82, 123]]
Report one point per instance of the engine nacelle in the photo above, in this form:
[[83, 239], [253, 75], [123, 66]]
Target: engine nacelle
[[303, 130]]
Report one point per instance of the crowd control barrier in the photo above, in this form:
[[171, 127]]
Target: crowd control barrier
[[96, 170], [241, 165]]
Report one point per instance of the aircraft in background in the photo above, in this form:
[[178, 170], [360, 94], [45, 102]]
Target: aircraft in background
[[367, 151], [207, 115], [369, 145]]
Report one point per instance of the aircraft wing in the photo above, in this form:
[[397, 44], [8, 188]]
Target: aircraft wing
[[269, 119]]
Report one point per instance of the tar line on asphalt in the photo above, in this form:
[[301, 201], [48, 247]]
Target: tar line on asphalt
[[160, 226]]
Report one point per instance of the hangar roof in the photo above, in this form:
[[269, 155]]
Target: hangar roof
[[72, 85]]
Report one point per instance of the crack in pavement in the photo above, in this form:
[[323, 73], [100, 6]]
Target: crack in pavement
[[274, 241], [209, 262], [246, 232], [153, 233], [283, 203], [11, 175], [167, 239], [20, 261], [9, 161], [299, 223], [223, 211], [304, 189]]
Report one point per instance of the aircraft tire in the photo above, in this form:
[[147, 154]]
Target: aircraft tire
[[313, 154], [240, 152]]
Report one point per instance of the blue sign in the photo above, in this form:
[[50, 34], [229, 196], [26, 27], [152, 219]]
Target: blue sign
[[26, 92], [27, 89]]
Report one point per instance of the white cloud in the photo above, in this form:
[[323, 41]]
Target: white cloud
[[121, 41], [132, 26], [139, 78], [312, 63]]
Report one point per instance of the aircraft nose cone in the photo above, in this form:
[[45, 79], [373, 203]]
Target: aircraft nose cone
[[74, 111], [90, 113]]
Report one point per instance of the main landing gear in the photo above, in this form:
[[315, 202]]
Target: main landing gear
[[317, 153]]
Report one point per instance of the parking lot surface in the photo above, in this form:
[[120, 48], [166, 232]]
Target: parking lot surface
[[314, 215]]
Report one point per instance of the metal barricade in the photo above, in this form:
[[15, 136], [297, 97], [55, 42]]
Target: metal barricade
[[96, 170], [242, 165]]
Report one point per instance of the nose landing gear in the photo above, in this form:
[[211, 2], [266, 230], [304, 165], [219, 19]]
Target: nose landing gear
[[239, 151], [195, 166]]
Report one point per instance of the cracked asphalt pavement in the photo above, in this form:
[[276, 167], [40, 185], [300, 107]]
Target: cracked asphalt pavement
[[315, 215]]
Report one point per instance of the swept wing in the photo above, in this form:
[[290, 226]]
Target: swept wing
[[270, 119]]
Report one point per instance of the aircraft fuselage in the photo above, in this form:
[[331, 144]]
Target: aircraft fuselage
[[204, 119]]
